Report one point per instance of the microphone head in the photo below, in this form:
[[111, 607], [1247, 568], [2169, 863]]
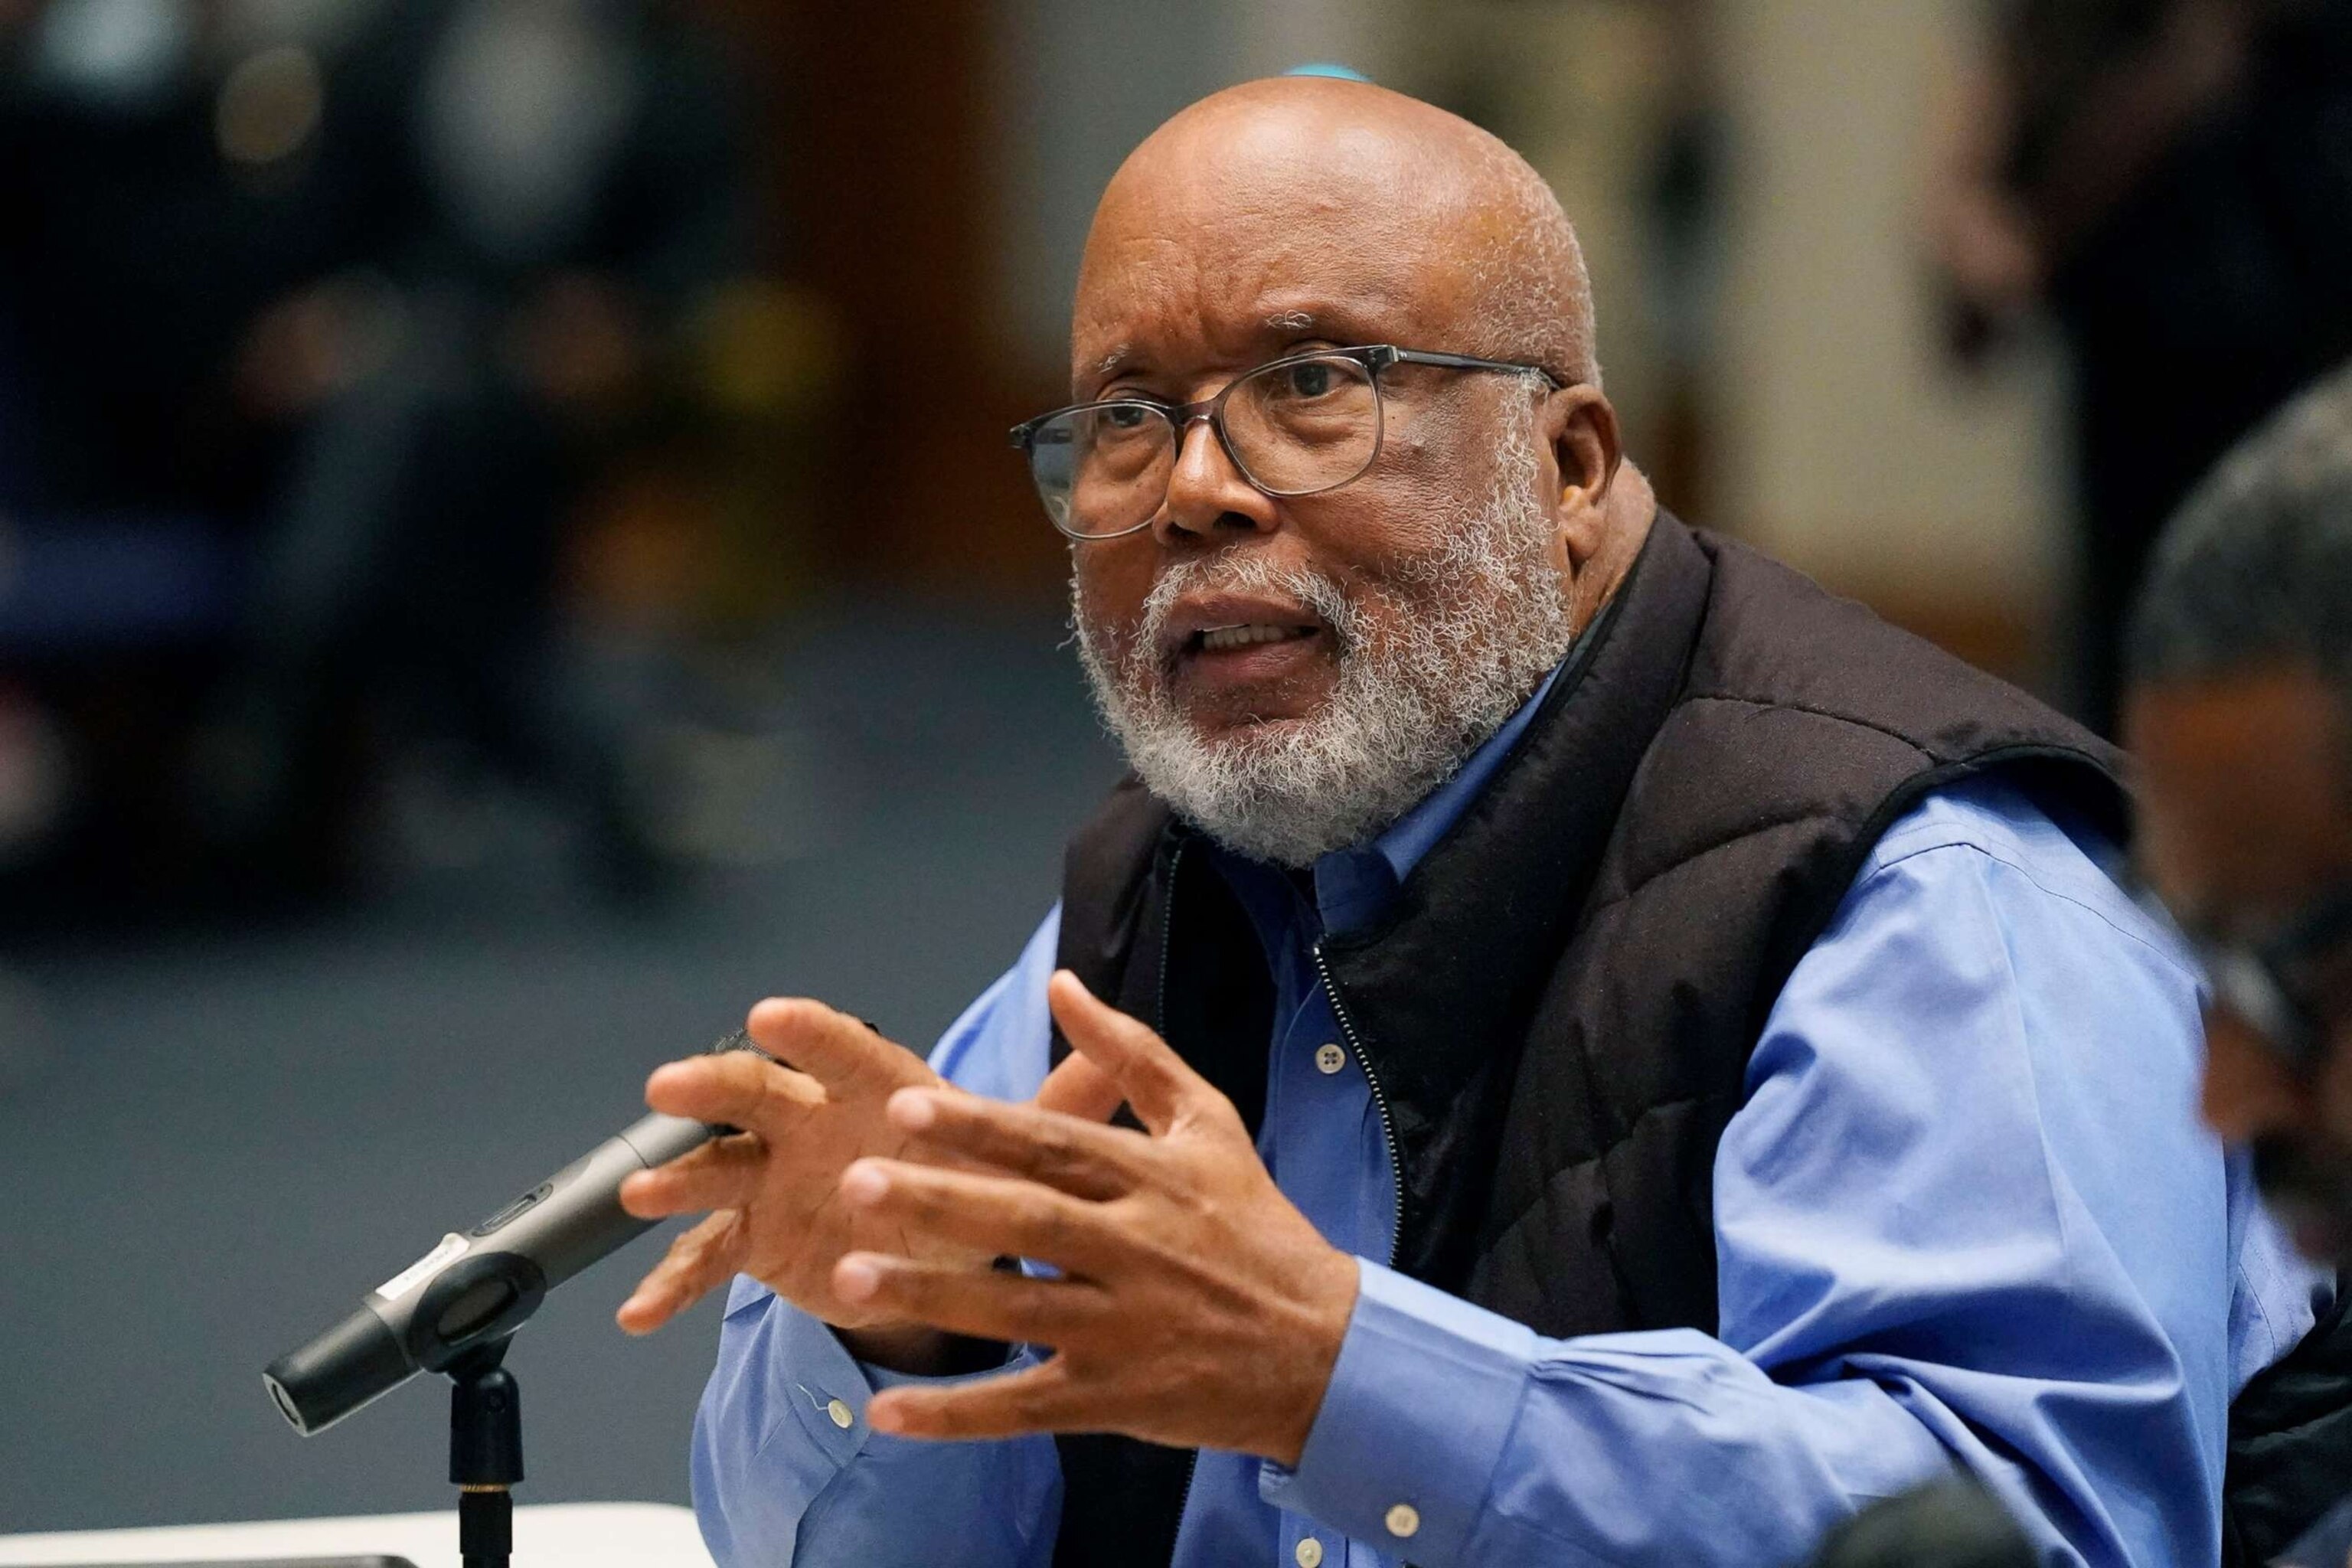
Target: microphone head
[[358, 1361]]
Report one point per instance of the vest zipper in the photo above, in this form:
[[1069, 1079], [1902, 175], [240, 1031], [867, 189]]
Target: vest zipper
[[1167, 947], [1167, 940], [1380, 1101]]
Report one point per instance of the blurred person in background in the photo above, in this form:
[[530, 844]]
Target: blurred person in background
[[2240, 708], [2172, 180], [374, 288], [1634, 1057]]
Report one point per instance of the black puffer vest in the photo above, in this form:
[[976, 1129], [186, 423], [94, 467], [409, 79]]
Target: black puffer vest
[[1557, 1015]]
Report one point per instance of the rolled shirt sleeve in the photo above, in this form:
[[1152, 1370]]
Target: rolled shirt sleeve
[[1966, 1216], [785, 1468]]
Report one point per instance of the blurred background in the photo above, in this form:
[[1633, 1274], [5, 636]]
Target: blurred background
[[507, 550]]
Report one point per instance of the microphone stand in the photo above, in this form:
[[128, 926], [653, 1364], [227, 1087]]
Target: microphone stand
[[484, 1453]]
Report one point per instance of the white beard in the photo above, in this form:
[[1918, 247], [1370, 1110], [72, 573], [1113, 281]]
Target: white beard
[[1478, 623]]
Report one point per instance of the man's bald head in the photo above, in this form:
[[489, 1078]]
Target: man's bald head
[[1299, 191]]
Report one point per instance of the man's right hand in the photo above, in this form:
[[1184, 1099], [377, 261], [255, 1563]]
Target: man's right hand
[[774, 1187]]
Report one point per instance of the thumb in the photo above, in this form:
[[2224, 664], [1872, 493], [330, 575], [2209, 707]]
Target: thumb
[[1080, 1087], [1158, 1084]]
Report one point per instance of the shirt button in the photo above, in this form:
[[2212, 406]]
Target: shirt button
[[840, 1414], [1330, 1058], [1309, 1553], [1403, 1520]]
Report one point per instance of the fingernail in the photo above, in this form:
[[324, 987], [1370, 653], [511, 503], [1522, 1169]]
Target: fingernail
[[863, 1184], [853, 1278], [914, 1108], [881, 1414]]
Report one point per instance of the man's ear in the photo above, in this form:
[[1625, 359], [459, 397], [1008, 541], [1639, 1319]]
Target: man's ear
[[1586, 449]]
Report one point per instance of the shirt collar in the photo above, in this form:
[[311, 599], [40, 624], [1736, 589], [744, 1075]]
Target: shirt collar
[[1355, 885]]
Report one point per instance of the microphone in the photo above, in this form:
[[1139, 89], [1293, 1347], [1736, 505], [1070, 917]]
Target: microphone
[[480, 1284]]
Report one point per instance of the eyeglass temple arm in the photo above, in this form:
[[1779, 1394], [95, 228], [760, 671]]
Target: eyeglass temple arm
[[1469, 362]]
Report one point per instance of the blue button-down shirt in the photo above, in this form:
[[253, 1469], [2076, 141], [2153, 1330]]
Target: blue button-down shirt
[[1965, 1215]]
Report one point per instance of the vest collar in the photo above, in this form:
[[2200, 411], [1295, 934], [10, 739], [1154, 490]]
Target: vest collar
[[1431, 976]]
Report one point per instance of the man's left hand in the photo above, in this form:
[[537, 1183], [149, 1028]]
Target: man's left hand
[[1196, 1306]]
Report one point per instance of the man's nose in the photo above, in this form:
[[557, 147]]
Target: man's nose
[[1206, 491]]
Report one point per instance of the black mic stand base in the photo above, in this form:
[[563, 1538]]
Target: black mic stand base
[[485, 1453]]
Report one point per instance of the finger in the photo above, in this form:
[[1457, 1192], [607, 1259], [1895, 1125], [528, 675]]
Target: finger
[[720, 1174], [1079, 1157], [986, 1303], [1080, 1087], [1042, 1398], [697, 1262], [994, 1215], [738, 1088], [832, 1048], [1157, 1083]]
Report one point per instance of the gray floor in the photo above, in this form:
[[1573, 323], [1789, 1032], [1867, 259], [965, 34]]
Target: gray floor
[[218, 1141]]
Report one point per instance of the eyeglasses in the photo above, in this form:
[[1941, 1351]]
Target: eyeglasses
[[1297, 427], [2268, 983]]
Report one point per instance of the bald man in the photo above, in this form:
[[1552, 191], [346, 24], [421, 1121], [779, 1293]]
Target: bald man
[[1626, 1058]]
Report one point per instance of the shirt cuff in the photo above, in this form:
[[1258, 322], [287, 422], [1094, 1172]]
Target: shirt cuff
[[828, 1388], [1422, 1401], [819, 1485]]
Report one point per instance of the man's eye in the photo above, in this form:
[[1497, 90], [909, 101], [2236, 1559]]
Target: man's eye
[[1126, 416], [1313, 379]]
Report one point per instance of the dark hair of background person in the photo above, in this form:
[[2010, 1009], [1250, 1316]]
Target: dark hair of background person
[[2257, 568]]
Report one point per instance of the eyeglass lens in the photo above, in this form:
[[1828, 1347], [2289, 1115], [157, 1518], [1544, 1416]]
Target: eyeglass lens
[[1294, 429]]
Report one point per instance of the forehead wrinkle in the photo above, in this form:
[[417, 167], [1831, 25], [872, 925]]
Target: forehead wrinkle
[[1196, 296], [1235, 254], [1366, 308]]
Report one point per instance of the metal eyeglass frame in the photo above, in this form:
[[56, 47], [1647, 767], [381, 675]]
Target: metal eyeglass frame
[[1375, 357]]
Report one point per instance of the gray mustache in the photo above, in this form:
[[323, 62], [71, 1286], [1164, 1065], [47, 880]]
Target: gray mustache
[[1243, 574]]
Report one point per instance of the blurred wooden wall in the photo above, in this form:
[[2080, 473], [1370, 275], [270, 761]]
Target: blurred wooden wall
[[876, 138]]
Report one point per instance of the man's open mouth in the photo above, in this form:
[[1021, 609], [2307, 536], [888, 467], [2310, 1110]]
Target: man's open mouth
[[1217, 639]]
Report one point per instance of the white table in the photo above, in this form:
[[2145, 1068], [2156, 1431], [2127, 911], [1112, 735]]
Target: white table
[[552, 1535]]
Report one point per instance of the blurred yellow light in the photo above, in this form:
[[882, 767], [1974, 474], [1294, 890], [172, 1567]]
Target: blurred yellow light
[[767, 348]]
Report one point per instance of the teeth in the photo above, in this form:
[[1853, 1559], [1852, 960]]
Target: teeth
[[1245, 636]]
